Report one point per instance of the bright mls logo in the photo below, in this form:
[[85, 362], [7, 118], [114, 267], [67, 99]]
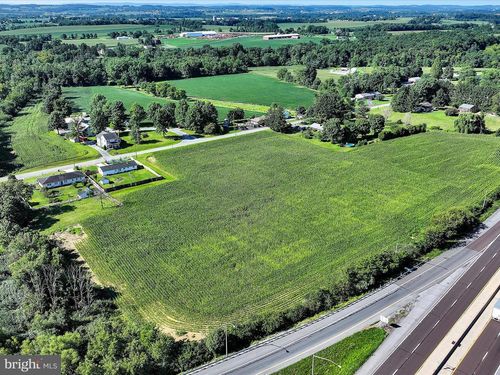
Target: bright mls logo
[[30, 364]]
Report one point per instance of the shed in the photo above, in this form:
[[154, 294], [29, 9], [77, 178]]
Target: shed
[[467, 108]]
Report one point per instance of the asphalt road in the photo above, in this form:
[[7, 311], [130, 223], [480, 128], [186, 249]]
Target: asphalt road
[[484, 356], [422, 341], [289, 347], [188, 140]]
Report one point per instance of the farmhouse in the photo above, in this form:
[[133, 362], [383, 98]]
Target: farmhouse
[[467, 108], [61, 180], [197, 34], [107, 170], [108, 140], [281, 36], [368, 96]]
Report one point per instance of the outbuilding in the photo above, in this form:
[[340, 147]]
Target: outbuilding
[[467, 108]]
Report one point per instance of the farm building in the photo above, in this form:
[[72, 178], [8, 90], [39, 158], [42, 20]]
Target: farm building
[[108, 140], [368, 96], [467, 108], [107, 170], [123, 38], [197, 34], [85, 193], [61, 180], [281, 36]]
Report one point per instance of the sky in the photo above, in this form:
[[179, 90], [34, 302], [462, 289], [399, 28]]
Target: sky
[[258, 2]]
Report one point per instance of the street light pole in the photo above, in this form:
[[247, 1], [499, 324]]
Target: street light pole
[[324, 359]]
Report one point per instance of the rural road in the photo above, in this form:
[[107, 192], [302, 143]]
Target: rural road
[[289, 347], [186, 141]]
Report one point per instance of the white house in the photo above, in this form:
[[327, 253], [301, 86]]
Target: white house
[[467, 108], [64, 179], [413, 80], [281, 36], [108, 140], [110, 169], [368, 96]]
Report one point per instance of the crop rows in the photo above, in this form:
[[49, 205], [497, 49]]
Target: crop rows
[[252, 224]]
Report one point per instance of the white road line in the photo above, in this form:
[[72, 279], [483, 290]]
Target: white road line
[[469, 285], [482, 269], [484, 356], [453, 304], [416, 347]]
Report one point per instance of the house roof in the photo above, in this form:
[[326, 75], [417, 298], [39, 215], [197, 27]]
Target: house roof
[[425, 104], [112, 167], [467, 106], [60, 177], [109, 136]]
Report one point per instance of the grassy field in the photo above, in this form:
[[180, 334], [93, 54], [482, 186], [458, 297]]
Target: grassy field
[[339, 24], [150, 139], [126, 178], [36, 147], [350, 354], [323, 74], [100, 30], [437, 118], [252, 224], [82, 96], [108, 42], [57, 195], [247, 88], [245, 41]]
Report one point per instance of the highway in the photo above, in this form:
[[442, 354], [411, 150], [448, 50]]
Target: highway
[[484, 356], [414, 350], [289, 347]]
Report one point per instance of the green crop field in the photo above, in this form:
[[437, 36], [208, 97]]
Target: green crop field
[[436, 118], [250, 225], [36, 147], [82, 96], [247, 88], [339, 24], [350, 354], [245, 41]]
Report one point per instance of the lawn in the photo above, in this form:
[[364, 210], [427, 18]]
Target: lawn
[[127, 178], [350, 354], [247, 88], [245, 41], [250, 225], [82, 97], [56, 195], [436, 118], [36, 147], [150, 139]]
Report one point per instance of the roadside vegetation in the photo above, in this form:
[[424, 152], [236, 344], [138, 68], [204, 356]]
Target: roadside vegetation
[[349, 354]]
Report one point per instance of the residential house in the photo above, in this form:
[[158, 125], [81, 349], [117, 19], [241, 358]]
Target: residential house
[[110, 169], [108, 140], [467, 108], [63, 179], [368, 96]]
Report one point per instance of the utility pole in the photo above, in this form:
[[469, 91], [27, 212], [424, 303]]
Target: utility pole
[[324, 359]]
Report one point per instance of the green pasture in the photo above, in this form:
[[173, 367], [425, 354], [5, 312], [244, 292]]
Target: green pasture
[[343, 24], [36, 147], [250, 225], [82, 97], [100, 30], [350, 354], [247, 41], [434, 118], [247, 88]]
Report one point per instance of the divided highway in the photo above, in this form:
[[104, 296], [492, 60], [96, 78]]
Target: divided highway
[[289, 347], [414, 350]]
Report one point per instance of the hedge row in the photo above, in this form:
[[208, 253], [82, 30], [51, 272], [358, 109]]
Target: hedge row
[[401, 131]]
